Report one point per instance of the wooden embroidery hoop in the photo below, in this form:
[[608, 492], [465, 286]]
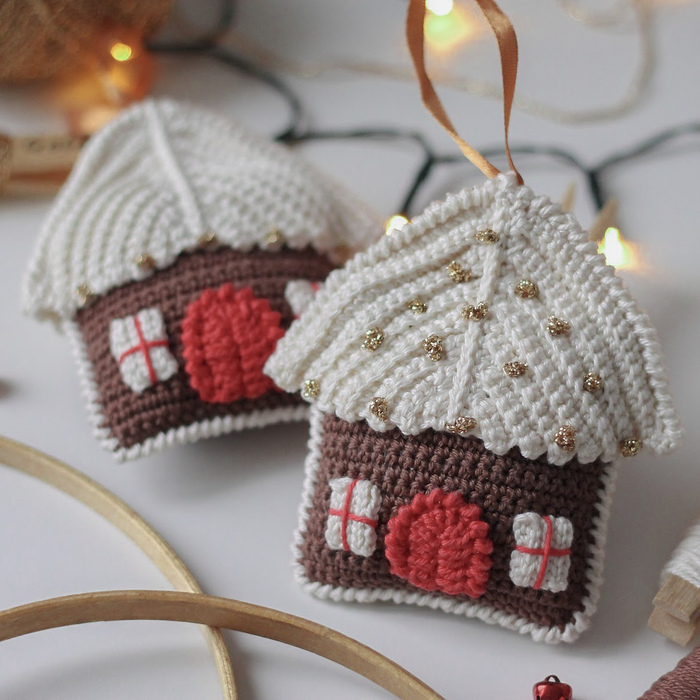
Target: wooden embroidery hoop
[[76, 484], [188, 603]]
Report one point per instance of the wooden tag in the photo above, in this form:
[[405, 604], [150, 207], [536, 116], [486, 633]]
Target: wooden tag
[[31, 165], [43, 154]]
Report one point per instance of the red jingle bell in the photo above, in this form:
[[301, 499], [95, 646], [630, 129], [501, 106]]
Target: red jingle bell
[[551, 688]]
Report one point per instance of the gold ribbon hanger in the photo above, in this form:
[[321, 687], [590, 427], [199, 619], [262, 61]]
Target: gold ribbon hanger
[[508, 50]]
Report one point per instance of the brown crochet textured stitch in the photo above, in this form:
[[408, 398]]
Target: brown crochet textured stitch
[[132, 417], [503, 486]]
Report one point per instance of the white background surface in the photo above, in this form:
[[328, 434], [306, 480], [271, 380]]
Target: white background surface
[[228, 506]]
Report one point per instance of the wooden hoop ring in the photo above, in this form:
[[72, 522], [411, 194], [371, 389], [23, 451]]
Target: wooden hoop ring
[[188, 604], [215, 612], [105, 503]]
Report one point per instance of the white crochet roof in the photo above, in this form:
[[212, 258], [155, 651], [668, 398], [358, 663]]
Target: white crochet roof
[[609, 334], [159, 177]]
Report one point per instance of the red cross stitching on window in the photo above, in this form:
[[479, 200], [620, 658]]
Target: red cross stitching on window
[[545, 552], [144, 346], [346, 515]]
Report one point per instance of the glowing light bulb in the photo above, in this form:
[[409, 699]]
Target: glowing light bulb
[[121, 52], [444, 32], [440, 7], [617, 251], [116, 71], [395, 223]]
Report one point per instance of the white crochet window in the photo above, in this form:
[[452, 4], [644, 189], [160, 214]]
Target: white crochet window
[[542, 554], [139, 344], [352, 516]]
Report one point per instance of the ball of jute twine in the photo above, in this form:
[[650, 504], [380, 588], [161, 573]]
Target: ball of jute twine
[[41, 39]]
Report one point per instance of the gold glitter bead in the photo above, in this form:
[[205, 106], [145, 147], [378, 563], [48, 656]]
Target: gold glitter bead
[[434, 347], [379, 407], [207, 240], [457, 273], [274, 238], [566, 438], [418, 306], [462, 425], [475, 313], [527, 289], [557, 326], [374, 338], [487, 236], [515, 369], [85, 294], [145, 262], [592, 382], [630, 447], [311, 389]]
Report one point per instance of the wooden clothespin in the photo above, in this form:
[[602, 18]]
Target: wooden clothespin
[[569, 198], [606, 218], [676, 613], [36, 165], [676, 610]]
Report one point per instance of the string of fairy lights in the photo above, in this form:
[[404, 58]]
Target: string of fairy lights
[[617, 250], [445, 25], [451, 26]]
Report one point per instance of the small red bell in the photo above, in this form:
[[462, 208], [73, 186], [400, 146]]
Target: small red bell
[[551, 688]]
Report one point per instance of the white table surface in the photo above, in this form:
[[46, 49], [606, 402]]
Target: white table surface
[[228, 506]]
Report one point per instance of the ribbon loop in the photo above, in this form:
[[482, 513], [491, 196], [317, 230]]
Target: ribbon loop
[[508, 50]]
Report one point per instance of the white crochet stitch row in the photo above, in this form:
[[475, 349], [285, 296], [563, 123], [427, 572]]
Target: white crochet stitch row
[[161, 176], [597, 329]]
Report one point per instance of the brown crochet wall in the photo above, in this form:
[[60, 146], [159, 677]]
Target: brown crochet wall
[[503, 486], [133, 417]]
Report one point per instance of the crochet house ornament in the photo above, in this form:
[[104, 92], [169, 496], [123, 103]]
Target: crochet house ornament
[[474, 378], [166, 260]]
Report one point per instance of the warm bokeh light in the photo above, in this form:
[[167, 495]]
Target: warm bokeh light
[[444, 33], [395, 223], [440, 7], [116, 71], [92, 119], [121, 51], [617, 251]]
